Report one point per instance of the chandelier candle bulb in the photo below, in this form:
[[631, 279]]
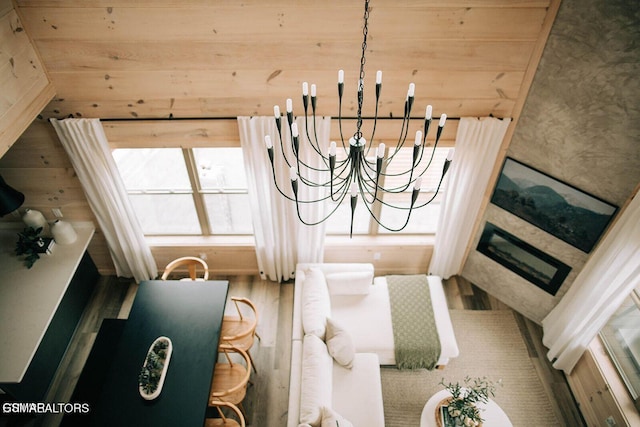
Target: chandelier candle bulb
[[418, 183], [332, 149], [443, 119], [418, 140], [267, 142], [428, 113], [276, 111], [340, 76], [289, 105], [447, 161], [305, 88], [411, 90], [379, 77], [313, 90], [381, 149]]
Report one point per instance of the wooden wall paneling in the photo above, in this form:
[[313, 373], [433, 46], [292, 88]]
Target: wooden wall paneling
[[25, 86], [389, 55], [592, 393], [47, 188], [228, 259], [37, 147], [172, 133], [257, 105], [5, 6], [224, 132], [389, 256], [239, 91], [280, 22], [194, 61], [253, 3]]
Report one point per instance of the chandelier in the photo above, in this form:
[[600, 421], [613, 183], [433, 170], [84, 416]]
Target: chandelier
[[354, 171]]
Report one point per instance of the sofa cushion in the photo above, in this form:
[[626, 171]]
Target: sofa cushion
[[317, 381], [357, 392], [316, 303], [332, 419], [339, 344], [350, 283]]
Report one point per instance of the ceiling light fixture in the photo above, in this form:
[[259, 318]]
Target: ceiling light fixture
[[355, 172]]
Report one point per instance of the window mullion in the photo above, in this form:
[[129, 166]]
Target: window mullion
[[198, 201]]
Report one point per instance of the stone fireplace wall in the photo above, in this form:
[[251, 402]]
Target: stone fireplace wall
[[586, 87]]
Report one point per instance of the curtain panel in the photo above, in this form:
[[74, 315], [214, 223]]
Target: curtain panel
[[86, 144], [476, 151], [281, 239], [608, 277]]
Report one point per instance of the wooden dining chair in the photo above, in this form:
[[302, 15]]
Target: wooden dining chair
[[240, 330], [192, 263], [225, 420], [230, 377]]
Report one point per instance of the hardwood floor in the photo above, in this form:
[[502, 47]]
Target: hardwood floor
[[267, 399]]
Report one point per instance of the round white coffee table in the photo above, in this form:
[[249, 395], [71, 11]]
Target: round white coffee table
[[491, 413]]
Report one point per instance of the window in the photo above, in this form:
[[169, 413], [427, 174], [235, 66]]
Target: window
[[199, 191], [422, 221], [621, 338]]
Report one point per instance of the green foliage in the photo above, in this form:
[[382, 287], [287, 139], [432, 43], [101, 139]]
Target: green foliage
[[149, 376], [30, 243], [465, 397]]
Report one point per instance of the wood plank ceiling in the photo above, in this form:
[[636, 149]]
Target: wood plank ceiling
[[199, 58]]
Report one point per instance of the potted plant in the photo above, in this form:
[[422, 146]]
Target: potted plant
[[461, 407], [31, 244]]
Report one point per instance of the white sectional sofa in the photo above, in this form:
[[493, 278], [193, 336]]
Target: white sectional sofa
[[341, 309]]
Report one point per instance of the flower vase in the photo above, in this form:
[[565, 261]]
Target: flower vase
[[63, 232], [34, 219]]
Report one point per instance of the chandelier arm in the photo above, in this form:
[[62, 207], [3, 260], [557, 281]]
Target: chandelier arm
[[375, 116], [404, 131], [275, 182], [282, 150], [377, 220], [344, 193], [314, 142], [370, 184], [435, 193], [401, 188], [341, 191], [424, 144]]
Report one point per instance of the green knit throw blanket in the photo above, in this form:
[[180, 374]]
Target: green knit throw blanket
[[417, 345]]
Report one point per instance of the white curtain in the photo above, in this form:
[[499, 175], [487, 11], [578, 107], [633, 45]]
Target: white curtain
[[608, 277], [86, 144], [476, 150], [281, 240]]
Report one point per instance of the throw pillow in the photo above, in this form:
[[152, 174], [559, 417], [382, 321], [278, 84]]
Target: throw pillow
[[331, 419], [316, 303], [316, 386], [350, 283], [340, 344]]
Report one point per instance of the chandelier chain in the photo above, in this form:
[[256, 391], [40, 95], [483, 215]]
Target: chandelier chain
[[365, 32]]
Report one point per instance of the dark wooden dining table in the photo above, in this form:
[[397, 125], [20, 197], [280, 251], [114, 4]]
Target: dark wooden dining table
[[190, 314]]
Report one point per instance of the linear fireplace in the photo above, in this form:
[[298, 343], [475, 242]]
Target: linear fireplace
[[523, 259]]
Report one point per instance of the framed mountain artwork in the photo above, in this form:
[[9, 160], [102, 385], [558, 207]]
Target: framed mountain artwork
[[564, 211]]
